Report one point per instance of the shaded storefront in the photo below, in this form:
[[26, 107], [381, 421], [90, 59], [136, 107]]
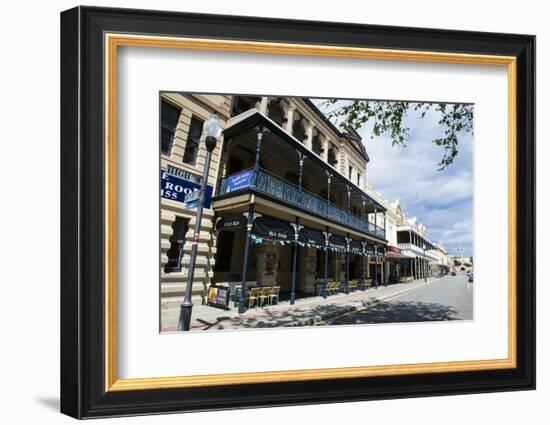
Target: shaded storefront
[[298, 259], [399, 265]]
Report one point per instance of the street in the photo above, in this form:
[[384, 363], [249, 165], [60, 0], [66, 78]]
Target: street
[[450, 298]]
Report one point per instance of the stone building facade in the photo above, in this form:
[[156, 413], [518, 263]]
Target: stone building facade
[[182, 157]]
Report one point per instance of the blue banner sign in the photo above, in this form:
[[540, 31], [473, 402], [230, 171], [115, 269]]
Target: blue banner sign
[[175, 189], [239, 181]]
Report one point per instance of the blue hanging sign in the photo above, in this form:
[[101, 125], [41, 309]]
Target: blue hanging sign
[[176, 189], [239, 181]]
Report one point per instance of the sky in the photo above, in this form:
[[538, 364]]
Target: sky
[[441, 200]]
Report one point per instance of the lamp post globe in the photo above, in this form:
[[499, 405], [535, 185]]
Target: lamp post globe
[[212, 131]]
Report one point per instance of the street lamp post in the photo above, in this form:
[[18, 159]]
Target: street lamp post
[[425, 274], [213, 131]]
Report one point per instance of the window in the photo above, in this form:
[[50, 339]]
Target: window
[[243, 103], [177, 240], [359, 179], [350, 170], [169, 116], [193, 138]]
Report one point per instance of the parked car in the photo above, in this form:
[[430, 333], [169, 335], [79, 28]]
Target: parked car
[[471, 278], [453, 273]]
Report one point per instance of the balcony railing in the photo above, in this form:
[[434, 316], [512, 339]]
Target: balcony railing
[[263, 182]]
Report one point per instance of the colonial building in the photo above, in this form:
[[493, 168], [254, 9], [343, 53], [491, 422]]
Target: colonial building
[[443, 265], [396, 263], [462, 263], [182, 160], [288, 204], [291, 203], [412, 239]]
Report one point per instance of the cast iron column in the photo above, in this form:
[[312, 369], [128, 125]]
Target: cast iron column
[[348, 242], [325, 284], [376, 266], [363, 269], [249, 221], [295, 247]]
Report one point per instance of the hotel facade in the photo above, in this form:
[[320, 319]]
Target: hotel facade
[[288, 202]]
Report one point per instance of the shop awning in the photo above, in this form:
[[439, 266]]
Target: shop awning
[[394, 252], [273, 229], [311, 237], [231, 223], [338, 243], [356, 247]]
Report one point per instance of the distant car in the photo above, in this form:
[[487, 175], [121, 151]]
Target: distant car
[[453, 273], [471, 278], [469, 273]]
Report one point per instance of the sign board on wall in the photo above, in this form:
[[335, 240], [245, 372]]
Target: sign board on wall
[[239, 181]]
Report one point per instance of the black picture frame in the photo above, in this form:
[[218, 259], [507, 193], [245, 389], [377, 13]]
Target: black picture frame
[[83, 392]]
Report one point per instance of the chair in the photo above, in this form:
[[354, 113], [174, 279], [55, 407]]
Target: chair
[[263, 296], [274, 294], [352, 285], [253, 297]]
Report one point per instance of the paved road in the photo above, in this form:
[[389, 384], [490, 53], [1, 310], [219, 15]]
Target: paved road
[[450, 298]]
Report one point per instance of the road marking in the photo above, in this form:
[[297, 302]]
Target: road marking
[[389, 298]]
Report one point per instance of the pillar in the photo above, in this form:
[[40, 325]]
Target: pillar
[[290, 119], [250, 218], [309, 139], [324, 154], [295, 248], [263, 105], [325, 281]]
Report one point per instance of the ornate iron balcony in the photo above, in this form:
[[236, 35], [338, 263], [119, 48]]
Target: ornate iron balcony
[[264, 182]]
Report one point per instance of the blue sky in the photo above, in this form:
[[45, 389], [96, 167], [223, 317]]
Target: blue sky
[[442, 200]]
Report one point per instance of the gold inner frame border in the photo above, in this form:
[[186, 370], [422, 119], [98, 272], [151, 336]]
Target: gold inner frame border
[[112, 41]]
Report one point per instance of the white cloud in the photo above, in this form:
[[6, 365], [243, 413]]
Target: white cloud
[[442, 200]]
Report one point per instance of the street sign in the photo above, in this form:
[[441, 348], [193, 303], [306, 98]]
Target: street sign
[[176, 189], [192, 196], [192, 199]]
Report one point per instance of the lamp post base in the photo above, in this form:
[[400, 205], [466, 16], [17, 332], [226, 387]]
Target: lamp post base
[[185, 317]]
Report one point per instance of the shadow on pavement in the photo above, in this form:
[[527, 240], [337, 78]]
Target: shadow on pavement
[[399, 312], [273, 319]]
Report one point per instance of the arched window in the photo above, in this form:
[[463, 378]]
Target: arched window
[[243, 103], [299, 129], [317, 145], [275, 111]]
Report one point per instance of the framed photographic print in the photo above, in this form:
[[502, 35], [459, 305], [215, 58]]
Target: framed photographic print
[[261, 212]]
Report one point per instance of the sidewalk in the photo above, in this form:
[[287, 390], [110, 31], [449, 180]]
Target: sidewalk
[[305, 312]]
